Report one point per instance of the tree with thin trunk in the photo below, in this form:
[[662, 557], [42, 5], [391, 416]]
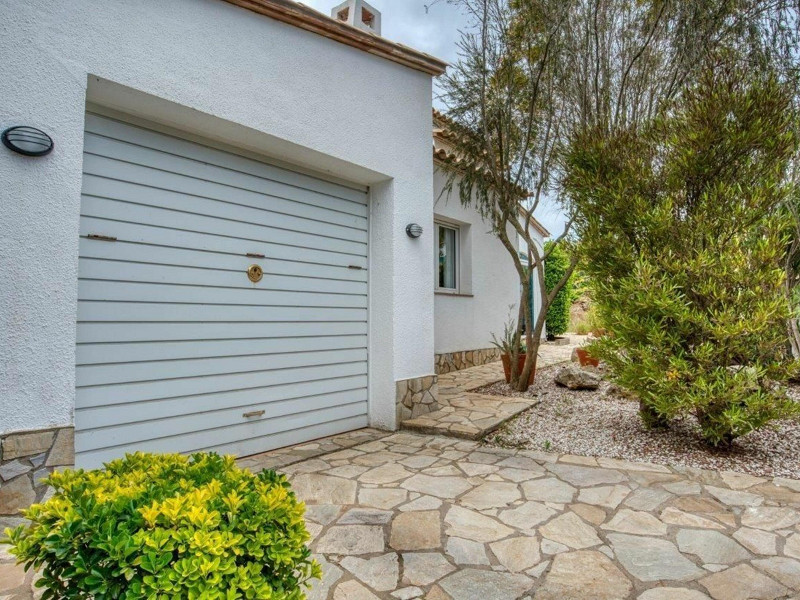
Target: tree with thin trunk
[[504, 110]]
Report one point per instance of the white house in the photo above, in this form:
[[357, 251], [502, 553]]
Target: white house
[[214, 255]]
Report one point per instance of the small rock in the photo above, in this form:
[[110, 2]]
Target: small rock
[[585, 476], [379, 573], [441, 487], [424, 568], [548, 490], [466, 552], [407, 593], [734, 498], [609, 496], [13, 469], [422, 503], [491, 495], [465, 523], [352, 590], [573, 377], [11, 576], [385, 498], [652, 559], [322, 489], [551, 547], [759, 542], [792, 547], [16, 495], [673, 516], [785, 570], [387, 473], [472, 584], [366, 516], [570, 530], [637, 523], [585, 574], [742, 582], [26, 444], [351, 539], [711, 546], [526, 516], [322, 513], [416, 531], [770, 518], [672, 594], [63, 451], [517, 554]]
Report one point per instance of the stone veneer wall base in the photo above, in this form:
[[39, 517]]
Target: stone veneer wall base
[[26, 458], [416, 396], [455, 361]]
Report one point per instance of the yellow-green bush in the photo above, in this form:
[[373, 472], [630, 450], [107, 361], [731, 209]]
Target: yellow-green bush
[[168, 526]]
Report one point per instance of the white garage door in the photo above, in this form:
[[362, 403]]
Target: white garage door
[[178, 350]]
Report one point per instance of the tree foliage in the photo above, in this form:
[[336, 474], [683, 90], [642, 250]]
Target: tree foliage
[[685, 244], [555, 269]]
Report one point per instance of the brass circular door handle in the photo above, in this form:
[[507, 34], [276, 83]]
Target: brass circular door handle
[[255, 273]]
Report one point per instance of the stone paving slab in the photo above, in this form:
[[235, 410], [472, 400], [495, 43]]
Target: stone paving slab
[[468, 415], [406, 515]]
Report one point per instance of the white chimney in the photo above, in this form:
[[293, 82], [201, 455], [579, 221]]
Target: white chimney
[[359, 14]]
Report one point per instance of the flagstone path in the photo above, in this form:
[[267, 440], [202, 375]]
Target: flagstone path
[[404, 515], [465, 414]]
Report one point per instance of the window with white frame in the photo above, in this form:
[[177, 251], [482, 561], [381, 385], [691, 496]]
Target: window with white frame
[[446, 254]]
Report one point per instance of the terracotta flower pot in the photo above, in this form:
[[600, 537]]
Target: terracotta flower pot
[[506, 358], [585, 359]]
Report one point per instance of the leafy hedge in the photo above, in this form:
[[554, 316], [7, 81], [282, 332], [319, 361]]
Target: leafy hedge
[[555, 267], [684, 242], [168, 526]]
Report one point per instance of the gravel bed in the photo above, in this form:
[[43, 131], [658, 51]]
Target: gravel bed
[[603, 423]]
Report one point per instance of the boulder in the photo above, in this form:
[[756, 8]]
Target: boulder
[[575, 378]]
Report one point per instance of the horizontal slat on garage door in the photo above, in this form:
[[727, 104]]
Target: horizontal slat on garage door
[[89, 312], [97, 269], [212, 242], [332, 240], [166, 292], [119, 414], [174, 342], [116, 352], [242, 440], [142, 431], [176, 369], [178, 147], [121, 251], [173, 388]]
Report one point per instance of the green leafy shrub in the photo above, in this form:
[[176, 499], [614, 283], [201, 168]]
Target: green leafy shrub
[[168, 526], [683, 241], [555, 267]]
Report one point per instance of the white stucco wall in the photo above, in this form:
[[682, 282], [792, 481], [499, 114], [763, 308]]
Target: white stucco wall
[[467, 321], [212, 69]]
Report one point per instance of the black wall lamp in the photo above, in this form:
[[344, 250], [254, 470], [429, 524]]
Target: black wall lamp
[[27, 140], [413, 230]]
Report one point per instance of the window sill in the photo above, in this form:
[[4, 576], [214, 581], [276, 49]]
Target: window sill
[[456, 294]]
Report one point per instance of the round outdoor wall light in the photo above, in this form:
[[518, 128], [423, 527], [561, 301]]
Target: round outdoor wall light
[[27, 140], [413, 230]]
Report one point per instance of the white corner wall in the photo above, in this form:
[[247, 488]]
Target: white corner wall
[[216, 70], [467, 322]]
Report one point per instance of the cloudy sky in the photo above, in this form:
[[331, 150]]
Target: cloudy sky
[[435, 31]]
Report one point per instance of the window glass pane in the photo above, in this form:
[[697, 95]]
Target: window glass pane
[[447, 257]]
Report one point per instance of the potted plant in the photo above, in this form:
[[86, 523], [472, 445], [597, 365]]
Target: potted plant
[[506, 347], [585, 359]]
